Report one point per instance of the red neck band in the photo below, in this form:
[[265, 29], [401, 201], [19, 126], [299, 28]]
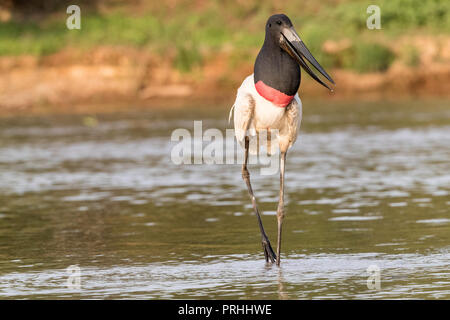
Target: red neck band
[[278, 98]]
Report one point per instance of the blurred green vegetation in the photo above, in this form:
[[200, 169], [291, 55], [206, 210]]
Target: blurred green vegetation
[[369, 57], [191, 31]]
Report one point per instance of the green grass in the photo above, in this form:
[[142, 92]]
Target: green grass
[[371, 57], [29, 38], [187, 34]]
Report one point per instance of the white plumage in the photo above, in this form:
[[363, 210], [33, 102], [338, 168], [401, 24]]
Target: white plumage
[[253, 113]]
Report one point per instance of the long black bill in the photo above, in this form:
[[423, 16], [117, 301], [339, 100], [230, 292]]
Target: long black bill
[[297, 49]]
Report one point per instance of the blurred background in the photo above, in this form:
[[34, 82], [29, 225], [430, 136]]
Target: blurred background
[[141, 50], [86, 179]]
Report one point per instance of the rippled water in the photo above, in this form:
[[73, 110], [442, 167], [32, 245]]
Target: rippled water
[[368, 184]]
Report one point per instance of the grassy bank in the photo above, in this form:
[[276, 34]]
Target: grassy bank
[[139, 51], [190, 32]]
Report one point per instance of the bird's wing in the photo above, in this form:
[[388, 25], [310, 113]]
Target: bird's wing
[[244, 109], [293, 118]]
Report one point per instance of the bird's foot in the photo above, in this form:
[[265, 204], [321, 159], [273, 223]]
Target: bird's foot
[[269, 254]]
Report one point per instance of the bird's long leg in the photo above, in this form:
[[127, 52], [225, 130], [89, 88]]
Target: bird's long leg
[[268, 251], [280, 210]]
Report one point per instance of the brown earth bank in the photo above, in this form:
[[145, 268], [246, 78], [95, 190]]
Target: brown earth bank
[[117, 76]]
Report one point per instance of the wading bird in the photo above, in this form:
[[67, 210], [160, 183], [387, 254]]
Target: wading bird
[[268, 100]]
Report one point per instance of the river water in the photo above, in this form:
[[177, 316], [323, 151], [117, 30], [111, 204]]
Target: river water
[[367, 208]]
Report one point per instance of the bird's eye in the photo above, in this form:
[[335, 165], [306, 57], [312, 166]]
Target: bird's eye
[[279, 22], [270, 25]]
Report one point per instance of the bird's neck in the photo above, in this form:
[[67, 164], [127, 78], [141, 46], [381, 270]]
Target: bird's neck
[[276, 74]]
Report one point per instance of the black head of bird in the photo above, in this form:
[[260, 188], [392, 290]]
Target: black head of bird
[[281, 56]]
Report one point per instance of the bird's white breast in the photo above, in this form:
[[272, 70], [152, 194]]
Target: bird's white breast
[[266, 115]]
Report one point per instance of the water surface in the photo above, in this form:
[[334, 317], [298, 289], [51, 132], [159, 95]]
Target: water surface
[[368, 184]]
